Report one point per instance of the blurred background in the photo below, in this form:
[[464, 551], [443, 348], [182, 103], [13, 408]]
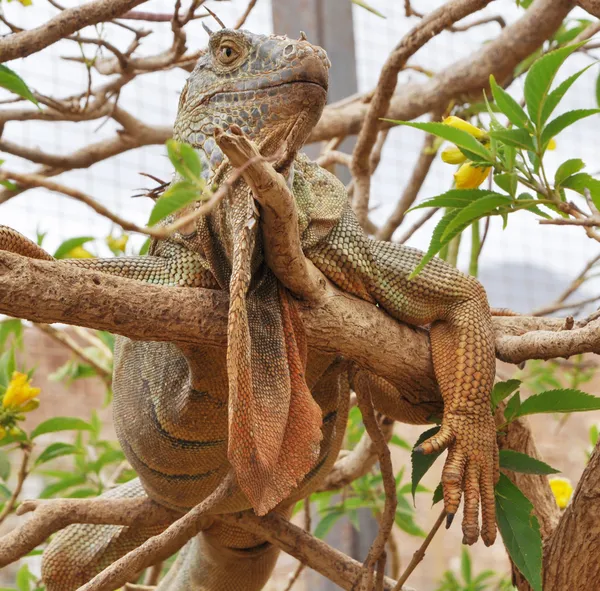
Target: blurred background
[[524, 267]]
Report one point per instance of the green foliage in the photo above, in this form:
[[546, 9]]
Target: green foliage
[[520, 531], [191, 187], [520, 462], [14, 83], [421, 462], [515, 153], [503, 390], [64, 250], [470, 582]]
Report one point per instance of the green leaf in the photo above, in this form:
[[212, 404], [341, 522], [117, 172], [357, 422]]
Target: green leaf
[[503, 390], [185, 159], [11, 326], [512, 408], [24, 578], [61, 485], [438, 494], [457, 136], [562, 400], [56, 450], [583, 182], [519, 462], [520, 530], [539, 80], [405, 521], [13, 82], [465, 566], [455, 198], [567, 169], [598, 90], [175, 198], [436, 243], [145, 247], [421, 462], [68, 245], [472, 212], [60, 424], [395, 440], [518, 138], [326, 523], [368, 7], [562, 121], [508, 105], [4, 466], [507, 181], [558, 93]]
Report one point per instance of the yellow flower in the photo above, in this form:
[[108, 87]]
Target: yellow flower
[[78, 253], [453, 156], [562, 490], [19, 391], [469, 176], [117, 244], [551, 145], [463, 125]]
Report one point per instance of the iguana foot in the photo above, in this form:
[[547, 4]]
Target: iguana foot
[[471, 466]]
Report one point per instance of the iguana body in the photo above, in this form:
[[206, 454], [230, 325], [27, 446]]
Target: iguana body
[[268, 409]]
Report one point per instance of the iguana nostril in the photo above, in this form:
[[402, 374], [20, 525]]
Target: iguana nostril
[[288, 50]]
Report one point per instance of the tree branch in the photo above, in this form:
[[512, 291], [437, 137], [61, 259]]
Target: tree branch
[[66, 23]]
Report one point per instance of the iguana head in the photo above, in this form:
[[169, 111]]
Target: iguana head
[[273, 87]]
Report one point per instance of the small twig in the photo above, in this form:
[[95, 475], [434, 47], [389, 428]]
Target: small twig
[[420, 553], [21, 476], [420, 222], [242, 19], [564, 306]]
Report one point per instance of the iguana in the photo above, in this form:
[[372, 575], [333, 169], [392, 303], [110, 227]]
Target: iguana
[[268, 409]]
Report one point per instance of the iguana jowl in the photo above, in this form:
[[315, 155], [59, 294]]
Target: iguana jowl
[[268, 408]]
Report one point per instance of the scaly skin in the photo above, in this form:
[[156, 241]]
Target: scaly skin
[[270, 409]]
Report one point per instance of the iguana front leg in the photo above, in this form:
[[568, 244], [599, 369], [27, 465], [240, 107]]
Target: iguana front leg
[[462, 342]]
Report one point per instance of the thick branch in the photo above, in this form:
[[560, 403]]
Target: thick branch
[[591, 6], [66, 23]]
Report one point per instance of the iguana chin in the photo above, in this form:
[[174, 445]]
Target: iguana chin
[[268, 408]]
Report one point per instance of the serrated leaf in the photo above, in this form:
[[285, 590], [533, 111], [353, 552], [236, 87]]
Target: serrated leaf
[[60, 424], [175, 198], [567, 169], [184, 159], [4, 466], [503, 390], [472, 212], [435, 245], [56, 450], [519, 462], [558, 93], [561, 400], [456, 198], [14, 83], [563, 121], [421, 462], [457, 136], [508, 105], [70, 244], [326, 523], [438, 494], [540, 77], [518, 138], [520, 530], [368, 7]]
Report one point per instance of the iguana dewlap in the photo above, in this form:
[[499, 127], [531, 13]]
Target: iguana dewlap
[[268, 407]]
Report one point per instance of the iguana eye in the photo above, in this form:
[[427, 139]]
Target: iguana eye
[[227, 53]]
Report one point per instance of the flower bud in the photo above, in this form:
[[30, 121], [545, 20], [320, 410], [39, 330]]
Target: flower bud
[[453, 156], [469, 176], [463, 125]]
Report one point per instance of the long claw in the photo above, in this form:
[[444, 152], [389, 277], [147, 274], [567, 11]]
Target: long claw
[[449, 519]]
